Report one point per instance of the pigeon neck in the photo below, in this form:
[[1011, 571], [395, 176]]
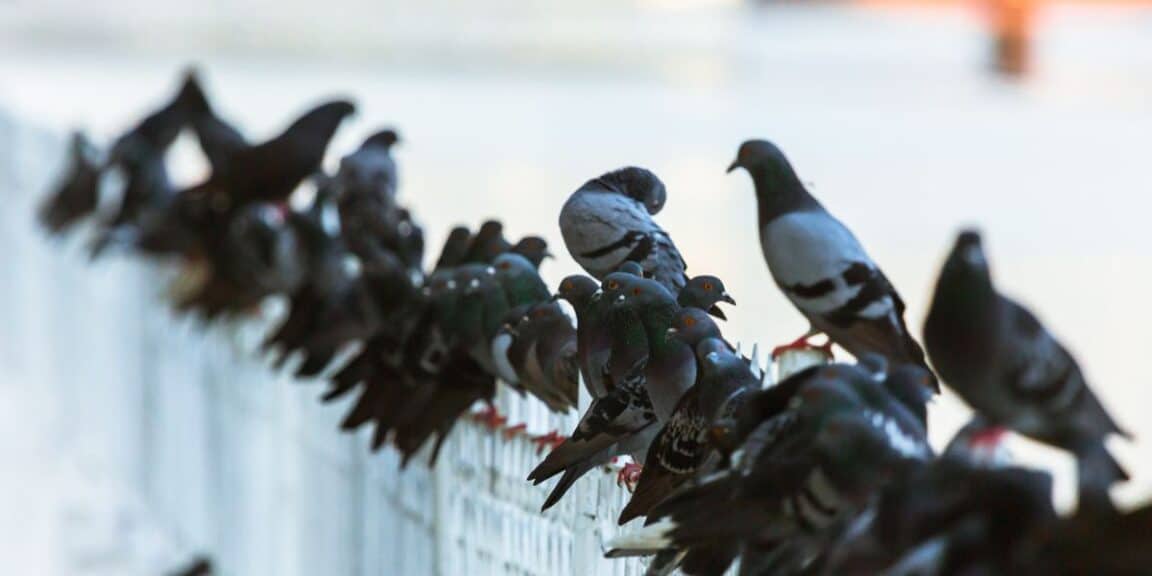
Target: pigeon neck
[[657, 320], [779, 194]]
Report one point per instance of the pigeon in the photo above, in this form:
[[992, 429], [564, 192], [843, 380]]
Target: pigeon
[[705, 292], [608, 221], [487, 244], [682, 446], [534, 248], [821, 266], [1005, 364], [619, 421], [77, 195], [593, 339], [257, 256], [804, 470], [536, 352], [271, 171], [948, 517], [365, 187], [671, 366], [139, 154]]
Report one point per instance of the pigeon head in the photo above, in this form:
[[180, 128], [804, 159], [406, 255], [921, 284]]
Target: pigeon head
[[577, 289], [638, 184], [778, 188], [704, 292], [967, 265], [534, 248], [764, 156], [628, 290], [692, 325], [544, 311], [512, 265], [633, 268], [616, 284], [385, 139]]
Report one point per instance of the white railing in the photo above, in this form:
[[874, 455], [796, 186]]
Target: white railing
[[201, 448]]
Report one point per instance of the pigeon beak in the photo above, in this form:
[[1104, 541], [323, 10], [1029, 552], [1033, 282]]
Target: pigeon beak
[[717, 312], [619, 298], [734, 165], [555, 297], [725, 297], [671, 333], [549, 255]]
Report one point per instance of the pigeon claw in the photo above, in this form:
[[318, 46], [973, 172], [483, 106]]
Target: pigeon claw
[[802, 344], [629, 475], [550, 440], [490, 417]]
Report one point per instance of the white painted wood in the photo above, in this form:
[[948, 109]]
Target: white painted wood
[[227, 457]]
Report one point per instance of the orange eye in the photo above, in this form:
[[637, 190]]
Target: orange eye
[[636, 291], [613, 285], [708, 286], [689, 321], [505, 265], [567, 285]]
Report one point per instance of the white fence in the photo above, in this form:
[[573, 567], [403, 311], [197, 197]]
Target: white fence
[[207, 450]]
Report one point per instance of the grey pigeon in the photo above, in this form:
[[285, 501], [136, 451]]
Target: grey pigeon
[[536, 352], [1002, 361], [705, 292], [820, 265], [619, 421], [608, 221], [684, 444]]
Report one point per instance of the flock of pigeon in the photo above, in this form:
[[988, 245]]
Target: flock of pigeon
[[826, 472]]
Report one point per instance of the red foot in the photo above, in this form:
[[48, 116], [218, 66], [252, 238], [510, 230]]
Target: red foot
[[988, 438], [550, 440], [511, 431], [490, 417], [629, 475], [802, 343]]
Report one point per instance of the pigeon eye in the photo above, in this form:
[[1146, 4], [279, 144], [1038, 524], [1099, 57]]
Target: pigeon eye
[[636, 291], [613, 285], [708, 286], [505, 265], [689, 321]]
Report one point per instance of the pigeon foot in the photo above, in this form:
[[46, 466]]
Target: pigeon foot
[[629, 475], [802, 343]]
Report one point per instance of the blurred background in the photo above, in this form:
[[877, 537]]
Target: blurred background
[[909, 119]]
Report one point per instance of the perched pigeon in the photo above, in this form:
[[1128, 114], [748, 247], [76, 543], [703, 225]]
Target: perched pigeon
[[705, 292], [608, 221], [683, 445], [257, 256], [619, 421], [945, 518], [821, 266], [593, 338], [273, 169], [804, 470], [671, 366], [77, 195], [139, 155], [1002, 361], [536, 352]]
